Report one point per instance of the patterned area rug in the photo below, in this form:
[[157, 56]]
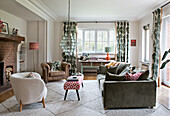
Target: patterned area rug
[[90, 104]]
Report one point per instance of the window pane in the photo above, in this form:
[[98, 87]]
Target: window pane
[[86, 46], [99, 36], [111, 35], [92, 35], [99, 46], [92, 46], [104, 35], [147, 45], [80, 40], [104, 45], [87, 34], [80, 48], [111, 44]]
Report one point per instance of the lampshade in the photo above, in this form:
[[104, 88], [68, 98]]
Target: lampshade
[[107, 49], [33, 46]]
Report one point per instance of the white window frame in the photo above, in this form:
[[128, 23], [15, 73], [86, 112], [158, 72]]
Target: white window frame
[[145, 45], [95, 50]]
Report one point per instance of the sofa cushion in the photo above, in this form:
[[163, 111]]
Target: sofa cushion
[[144, 75], [132, 77], [112, 69], [57, 73], [126, 70], [113, 77], [121, 67], [102, 69]]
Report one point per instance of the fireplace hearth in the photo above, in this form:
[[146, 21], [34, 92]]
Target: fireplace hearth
[[9, 45], [1, 73]]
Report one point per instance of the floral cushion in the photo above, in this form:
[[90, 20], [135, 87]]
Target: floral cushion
[[132, 77]]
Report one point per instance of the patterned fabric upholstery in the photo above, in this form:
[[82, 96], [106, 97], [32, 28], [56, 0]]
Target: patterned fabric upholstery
[[134, 77], [74, 84]]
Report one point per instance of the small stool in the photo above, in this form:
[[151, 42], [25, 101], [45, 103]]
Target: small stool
[[73, 85]]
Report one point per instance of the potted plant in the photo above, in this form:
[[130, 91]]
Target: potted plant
[[163, 58]]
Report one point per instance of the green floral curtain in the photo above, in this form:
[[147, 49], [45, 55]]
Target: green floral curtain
[[122, 41], [155, 38], [68, 45]]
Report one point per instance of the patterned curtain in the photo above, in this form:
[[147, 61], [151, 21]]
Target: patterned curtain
[[155, 38], [68, 45], [122, 41]]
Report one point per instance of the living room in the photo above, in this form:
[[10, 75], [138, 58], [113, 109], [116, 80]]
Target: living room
[[101, 42]]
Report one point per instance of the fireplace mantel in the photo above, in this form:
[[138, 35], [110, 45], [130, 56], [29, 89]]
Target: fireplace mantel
[[7, 37], [9, 54]]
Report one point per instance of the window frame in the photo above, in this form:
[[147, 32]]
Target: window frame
[[96, 31], [146, 38]]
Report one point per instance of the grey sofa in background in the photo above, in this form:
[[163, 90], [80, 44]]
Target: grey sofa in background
[[126, 94]]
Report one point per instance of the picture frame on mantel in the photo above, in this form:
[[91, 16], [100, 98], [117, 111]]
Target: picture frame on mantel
[[5, 29]]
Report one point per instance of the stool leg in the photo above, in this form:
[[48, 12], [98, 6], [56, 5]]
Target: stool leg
[[65, 95], [82, 85], [78, 94]]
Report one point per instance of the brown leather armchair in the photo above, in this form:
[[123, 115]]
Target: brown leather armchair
[[49, 75]]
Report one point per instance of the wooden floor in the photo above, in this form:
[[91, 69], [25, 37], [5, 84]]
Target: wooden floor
[[90, 76]]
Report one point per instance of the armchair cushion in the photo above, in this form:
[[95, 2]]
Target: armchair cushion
[[57, 73]]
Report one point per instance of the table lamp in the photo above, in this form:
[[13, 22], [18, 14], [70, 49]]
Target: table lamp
[[107, 50], [33, 46]]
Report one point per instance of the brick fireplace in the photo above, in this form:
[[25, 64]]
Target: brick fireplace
[[8, 55]]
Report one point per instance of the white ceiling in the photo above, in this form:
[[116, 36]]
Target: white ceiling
[[18, 10], [85, 10], [103, 9]]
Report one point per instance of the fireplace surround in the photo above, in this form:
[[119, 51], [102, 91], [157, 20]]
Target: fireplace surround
[[8, 55]]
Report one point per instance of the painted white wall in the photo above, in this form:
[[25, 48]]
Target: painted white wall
[[14, 22], [36, 33], [58, 34], [21, 25], [133, 51]]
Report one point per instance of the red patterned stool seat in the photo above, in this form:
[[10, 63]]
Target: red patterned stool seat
[[74, 85]]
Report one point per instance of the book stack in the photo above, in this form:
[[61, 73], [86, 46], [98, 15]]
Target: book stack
[[72, 78]]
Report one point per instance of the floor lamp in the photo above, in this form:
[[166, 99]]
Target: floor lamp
[[33, 46]]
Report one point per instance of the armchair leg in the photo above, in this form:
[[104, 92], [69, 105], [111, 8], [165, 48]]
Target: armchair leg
[[20, 109], [43, 101]]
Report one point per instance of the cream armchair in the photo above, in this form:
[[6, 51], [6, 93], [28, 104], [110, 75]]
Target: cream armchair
[[28, 90]]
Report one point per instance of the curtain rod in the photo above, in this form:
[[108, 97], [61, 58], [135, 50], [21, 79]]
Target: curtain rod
[[98, 21], [165, 4]]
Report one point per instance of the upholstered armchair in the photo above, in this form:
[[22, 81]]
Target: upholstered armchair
[[28, 90], [49, 75]]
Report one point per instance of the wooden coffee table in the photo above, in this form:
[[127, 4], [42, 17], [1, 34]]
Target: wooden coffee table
[[73, 85]]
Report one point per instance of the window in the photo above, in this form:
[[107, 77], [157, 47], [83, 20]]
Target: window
[[95, 40], [145, 43]]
